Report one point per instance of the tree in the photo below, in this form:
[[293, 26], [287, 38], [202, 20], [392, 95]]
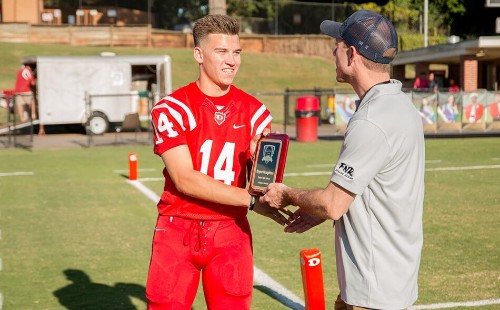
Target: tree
[[170, 14], [465, 18], [473, 20]]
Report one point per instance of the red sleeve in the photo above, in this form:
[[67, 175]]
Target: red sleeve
[[171, 119]]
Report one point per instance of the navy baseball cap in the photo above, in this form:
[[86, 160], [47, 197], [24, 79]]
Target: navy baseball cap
[[370, 33]]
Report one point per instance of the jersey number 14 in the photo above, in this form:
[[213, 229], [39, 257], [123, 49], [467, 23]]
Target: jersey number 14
[[223, 168]]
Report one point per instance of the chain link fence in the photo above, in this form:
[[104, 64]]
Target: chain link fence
[[442, 112], [297, 17], [17, 123]]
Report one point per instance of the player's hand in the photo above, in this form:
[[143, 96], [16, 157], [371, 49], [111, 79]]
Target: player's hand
[[277, 215], [301, 222], [275, 195], [255, 139]]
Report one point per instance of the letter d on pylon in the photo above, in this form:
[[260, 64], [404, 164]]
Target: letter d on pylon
[[312, 279], [132, 166]]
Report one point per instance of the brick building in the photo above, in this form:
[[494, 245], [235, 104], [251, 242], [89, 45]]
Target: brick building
[[34, 12], [473, 64]]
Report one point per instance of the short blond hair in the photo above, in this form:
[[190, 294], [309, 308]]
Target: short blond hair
[[214, 24]]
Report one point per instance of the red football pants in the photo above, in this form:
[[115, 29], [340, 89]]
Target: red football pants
[[220, 250]]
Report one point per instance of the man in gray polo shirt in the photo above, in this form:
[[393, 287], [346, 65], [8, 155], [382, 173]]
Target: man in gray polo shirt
[[376, 191]]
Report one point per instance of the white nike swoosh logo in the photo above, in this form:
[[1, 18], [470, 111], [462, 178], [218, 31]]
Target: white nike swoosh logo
[[238, 126]]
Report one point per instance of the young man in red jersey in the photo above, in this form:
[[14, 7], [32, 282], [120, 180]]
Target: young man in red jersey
[[25, 100], [23, 89], [206, 133]]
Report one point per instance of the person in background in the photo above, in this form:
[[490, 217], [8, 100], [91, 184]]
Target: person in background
[[206, 133], [376, 191], [25, 98], [421, 82], [433, 85], [24, 95], [452, 87], [474, 110]]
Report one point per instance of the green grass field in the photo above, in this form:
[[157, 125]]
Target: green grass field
[[258, 73], [75, 214]]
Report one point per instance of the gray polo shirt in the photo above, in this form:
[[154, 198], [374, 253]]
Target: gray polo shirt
[[379, 240]]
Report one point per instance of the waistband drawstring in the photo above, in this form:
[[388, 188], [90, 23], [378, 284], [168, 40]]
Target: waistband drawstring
[[187, 237]]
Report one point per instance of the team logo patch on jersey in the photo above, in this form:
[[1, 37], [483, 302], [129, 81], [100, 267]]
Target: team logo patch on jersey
[[345, 171], [219, 117]]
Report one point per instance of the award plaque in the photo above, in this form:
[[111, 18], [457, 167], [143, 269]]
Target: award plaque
[[269, 162]]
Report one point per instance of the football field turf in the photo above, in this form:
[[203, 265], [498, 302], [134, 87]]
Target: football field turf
[[75, 234]]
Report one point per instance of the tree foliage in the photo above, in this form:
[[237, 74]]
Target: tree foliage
[[466, 18], [174, 13]]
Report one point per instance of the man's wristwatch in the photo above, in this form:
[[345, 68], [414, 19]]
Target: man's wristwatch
[[252, 202]]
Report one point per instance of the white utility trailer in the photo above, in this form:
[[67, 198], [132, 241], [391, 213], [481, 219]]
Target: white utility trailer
[[97, 91]]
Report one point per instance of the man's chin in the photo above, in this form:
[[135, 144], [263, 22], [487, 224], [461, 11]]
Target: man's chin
[[225, 83], [340, 79]]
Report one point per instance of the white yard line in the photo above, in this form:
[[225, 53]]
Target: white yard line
[[146, 191], [308, 174], [151, 179], [14, 174], [457, 304], [139, 170], [433, 161], [279, 292], [317, 173], [289, 299], [430, 161], [463, 168]]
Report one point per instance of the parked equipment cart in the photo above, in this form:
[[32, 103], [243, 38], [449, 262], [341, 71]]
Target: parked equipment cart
[[98, 91]]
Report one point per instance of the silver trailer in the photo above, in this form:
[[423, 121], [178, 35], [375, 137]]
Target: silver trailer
[[98, 91]]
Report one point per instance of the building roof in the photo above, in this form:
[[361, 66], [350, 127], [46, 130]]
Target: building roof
[[484, 48]]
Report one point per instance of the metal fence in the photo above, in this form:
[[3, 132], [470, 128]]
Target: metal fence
[[16, 121], [442, 112], [135, 127]]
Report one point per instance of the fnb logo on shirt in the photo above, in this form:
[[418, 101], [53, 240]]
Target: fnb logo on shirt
[[345, 171]]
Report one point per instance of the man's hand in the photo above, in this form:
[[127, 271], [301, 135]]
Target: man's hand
[[276, 195], [273, 213], [302, 221]]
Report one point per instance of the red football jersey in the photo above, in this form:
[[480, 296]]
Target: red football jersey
[[24, 80], [218, 131]]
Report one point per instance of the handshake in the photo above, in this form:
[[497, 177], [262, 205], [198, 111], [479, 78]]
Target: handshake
[[273, 204], [273, 197]]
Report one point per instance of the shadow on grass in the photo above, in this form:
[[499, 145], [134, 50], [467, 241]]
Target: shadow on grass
[[279, 297], [82, 293]]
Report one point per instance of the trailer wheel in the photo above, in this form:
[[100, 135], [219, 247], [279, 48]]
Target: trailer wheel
[[98, 123]]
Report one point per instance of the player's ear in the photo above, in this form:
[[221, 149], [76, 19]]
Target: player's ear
[[198, 55]]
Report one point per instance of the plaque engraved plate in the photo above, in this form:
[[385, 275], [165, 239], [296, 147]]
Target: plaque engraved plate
[[269, 162]]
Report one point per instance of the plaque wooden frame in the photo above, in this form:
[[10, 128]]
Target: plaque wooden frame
[[269, 162]]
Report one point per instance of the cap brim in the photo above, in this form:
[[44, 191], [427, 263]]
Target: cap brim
[[331, 28]]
